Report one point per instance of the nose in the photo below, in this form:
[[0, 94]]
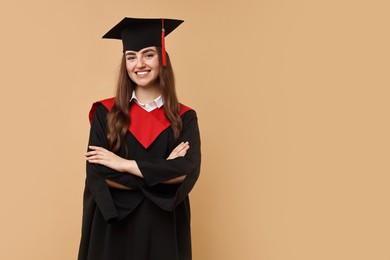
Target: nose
[[140, 63]]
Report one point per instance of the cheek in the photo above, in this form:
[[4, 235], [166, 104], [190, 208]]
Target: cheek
[[130, 65], [156, 73], [156, 64], [156, 68], [129, 68]]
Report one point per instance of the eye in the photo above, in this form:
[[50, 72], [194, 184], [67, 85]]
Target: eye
[[149, 55], [130, 57]]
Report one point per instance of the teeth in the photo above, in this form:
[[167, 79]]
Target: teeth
[[141, 72]]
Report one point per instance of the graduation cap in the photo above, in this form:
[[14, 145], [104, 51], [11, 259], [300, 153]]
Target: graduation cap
[[139, 33]]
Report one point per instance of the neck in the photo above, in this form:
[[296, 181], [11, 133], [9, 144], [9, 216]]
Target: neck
[[146, 95]]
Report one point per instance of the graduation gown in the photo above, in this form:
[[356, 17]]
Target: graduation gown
[[152, 220]]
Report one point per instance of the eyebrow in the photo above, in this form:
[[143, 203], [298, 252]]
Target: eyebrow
[[144, 51]]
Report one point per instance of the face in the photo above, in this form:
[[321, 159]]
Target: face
[[143, 67]]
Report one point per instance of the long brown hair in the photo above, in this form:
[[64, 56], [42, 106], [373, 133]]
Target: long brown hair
[[118, 117]]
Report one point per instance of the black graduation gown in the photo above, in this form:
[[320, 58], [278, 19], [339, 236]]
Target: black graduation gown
[[152, 220]]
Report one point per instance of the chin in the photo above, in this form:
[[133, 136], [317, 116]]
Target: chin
[[147, 85]]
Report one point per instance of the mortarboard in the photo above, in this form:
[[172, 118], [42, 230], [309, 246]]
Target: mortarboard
[[139, 33]]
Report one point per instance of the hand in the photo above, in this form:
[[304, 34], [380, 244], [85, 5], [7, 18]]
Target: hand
[[105, 157], [179, 151]]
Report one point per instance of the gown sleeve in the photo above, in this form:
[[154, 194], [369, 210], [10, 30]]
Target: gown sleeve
[[96, 173], [157, 171]]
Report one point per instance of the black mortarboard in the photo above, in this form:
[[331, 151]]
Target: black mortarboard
[[139, 33]]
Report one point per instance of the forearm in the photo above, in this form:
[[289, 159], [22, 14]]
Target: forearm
[[116, 185], [131, 166], [182, 166], [176, 180]]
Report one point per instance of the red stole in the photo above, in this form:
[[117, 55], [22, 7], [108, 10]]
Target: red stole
[[145, 126]]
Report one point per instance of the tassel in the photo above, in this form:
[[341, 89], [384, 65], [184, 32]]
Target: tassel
[[163, 54]]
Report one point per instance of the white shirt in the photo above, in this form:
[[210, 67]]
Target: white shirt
[[157, 103]]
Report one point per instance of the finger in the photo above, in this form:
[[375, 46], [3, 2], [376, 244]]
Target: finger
[[183, 152], [98, 157], [185, 145], [185, 148], [174, 154], [90, 153], [181, 146], [96, 148], [94, 161], [93, 157], [178, 149]]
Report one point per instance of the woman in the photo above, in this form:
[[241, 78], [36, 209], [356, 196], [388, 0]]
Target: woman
[[143, 157]]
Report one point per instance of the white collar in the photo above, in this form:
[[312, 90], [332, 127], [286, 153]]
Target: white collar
[[157, 103]]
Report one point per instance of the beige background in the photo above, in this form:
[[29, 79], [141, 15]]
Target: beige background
[[292, 98]]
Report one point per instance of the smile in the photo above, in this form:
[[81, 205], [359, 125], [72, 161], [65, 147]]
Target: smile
[[142, 72]]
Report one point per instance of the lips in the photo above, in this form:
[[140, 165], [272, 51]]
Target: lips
[[143, 72]]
